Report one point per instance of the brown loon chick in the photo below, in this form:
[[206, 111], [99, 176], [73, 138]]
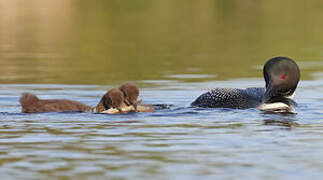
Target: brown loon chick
[[131, 92], [114, 98], [32, 104]]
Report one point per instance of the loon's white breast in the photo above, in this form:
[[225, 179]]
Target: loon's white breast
[[278, 106]]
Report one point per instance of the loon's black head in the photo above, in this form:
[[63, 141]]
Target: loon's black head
[[282, 76]]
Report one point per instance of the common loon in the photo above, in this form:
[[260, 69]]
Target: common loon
[[114, 98], [131, 92], [124, 99], [32, 104], [281, 75]]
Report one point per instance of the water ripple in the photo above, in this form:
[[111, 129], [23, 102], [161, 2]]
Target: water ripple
[[198, 142]]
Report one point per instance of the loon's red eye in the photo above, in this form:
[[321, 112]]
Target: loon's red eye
[[283, 76]]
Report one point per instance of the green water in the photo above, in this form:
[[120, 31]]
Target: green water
[[110, 41]]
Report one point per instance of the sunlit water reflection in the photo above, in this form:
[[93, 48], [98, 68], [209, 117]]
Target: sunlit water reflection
[[179, 142]]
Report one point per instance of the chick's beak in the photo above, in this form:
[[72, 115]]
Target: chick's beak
[[127, 102], [120, 110], [135, 105]]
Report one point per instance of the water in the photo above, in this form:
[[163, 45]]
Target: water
[[110, 41], [174, 51], [179, 143]]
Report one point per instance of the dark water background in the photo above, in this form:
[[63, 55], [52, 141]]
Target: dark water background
[[174, 50]]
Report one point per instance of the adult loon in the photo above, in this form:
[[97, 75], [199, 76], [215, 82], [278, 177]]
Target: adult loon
[[281, 75]]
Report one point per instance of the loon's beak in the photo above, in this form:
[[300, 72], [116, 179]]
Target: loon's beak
[[268, 94]]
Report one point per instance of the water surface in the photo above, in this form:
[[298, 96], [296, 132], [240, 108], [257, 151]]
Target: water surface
[[179, 143], [174, 51]]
